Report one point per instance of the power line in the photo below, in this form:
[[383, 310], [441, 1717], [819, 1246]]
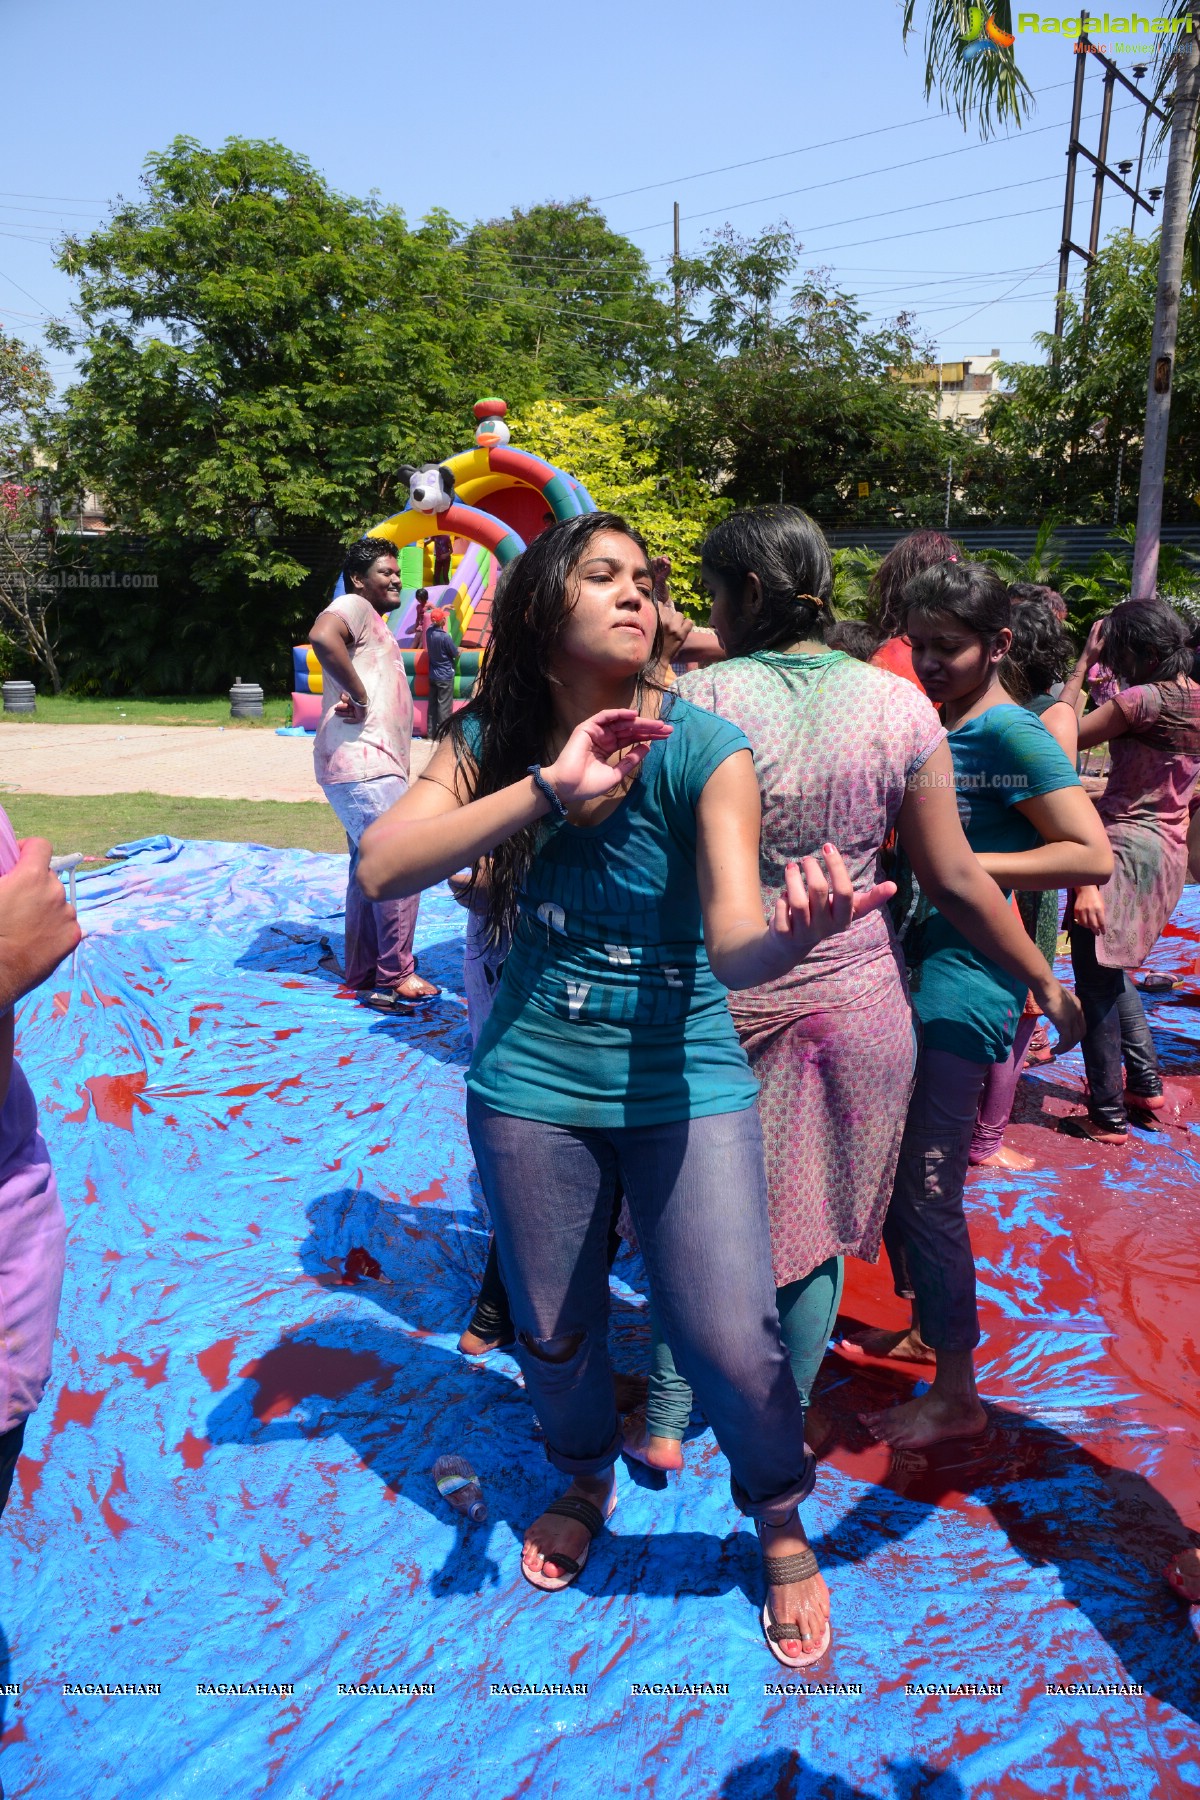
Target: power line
[[863, 175], [802, 150]]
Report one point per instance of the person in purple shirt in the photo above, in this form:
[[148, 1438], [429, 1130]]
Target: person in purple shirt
[[37, 929]]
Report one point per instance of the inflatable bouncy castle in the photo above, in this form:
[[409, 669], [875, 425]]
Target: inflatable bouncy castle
[[466, 517]]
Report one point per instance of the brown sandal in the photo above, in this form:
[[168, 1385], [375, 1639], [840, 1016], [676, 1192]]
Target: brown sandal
[[569, 1506]]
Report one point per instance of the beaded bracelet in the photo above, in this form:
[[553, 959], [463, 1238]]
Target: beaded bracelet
[[544, 787]]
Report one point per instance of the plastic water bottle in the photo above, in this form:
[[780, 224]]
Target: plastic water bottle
[[458, 1483]]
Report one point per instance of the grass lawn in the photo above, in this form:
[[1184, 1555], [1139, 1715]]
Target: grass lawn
[[93, 823], [197, 709]]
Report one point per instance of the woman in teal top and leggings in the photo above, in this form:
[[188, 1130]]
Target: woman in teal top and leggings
[[624, 856]]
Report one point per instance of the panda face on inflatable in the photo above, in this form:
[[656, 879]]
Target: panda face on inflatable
[[430, 487]]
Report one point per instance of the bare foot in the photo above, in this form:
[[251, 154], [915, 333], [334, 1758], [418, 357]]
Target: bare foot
[[550, 1532], [899, 1346], [1098, 1134], [1185, 1568], [415, 987], [472, 1344], [655, 1452], [1007, 1158], [804, 1604], [930, 1419]]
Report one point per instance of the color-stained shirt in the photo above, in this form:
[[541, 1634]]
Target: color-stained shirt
[[608, 1013], [1155, 766], [895, 655], [379, 744], [32, 1236], [968, 1005]]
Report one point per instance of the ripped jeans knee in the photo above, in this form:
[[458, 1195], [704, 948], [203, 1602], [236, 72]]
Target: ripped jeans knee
[[554, 1350]]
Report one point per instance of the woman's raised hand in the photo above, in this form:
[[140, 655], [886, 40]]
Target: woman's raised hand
[[1094, 648], [814, 906], [582, 770]]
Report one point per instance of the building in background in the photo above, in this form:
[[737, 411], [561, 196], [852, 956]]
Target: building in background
[[962, 389]]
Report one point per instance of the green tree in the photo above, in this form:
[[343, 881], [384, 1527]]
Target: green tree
[[782, 391], [617, 457], [1066, 423], [27, 537], [580, 303], [259, 354]]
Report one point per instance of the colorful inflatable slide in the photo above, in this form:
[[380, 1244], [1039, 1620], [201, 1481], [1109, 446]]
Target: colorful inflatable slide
[[487, 504]]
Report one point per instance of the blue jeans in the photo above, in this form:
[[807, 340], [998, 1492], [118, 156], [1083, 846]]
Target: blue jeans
[[925, 1232], [379, 933], [697, 1193]]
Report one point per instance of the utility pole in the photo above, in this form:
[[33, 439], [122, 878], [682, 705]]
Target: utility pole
[[1176, 200], [678, 296], [1085, 53]]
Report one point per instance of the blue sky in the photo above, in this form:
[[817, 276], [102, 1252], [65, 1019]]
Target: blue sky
[[479, 107]]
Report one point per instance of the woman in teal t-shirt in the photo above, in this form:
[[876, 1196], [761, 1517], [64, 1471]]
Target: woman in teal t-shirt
[[624, 858], [1032, 826]]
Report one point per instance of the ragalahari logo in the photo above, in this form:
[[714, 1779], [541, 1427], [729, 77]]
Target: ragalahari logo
[[982, 35]]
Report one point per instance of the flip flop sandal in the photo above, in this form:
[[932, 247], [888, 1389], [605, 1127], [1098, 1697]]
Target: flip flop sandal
[[570, 1506], [386, 1000], [779, 1571]]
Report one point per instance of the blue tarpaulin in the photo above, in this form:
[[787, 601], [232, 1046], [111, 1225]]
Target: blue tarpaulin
[[275, 1236]]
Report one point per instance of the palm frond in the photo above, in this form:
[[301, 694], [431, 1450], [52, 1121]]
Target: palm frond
[[980, 84]]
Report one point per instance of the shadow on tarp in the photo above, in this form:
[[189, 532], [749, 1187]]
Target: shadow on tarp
[[226, 1136], [786, 1776]]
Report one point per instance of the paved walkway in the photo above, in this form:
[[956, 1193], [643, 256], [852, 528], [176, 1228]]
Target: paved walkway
[[172, 759]]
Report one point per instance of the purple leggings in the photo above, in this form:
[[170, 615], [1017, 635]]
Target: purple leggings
[[999, 1092]]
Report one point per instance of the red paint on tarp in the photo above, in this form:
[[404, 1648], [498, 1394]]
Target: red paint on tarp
[[291, 1031], [360, 1262], [76, 1406], [112, 1256], [248, 1088], [77, 1118], [61, 1006], [112, 1518], [115, 1097], [90, 1196], [106, 999], [193, 1449], [16, 1734], [29, 1474], [197, 1237], [214, 1362], [152, 1373], [435, 1191], [293, 1371], [270, 1563]]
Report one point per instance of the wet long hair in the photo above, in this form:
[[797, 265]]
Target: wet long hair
[[513, 700], [787, 551], [1041, 653], [918, 551], [1146, 640], [970, 592]]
